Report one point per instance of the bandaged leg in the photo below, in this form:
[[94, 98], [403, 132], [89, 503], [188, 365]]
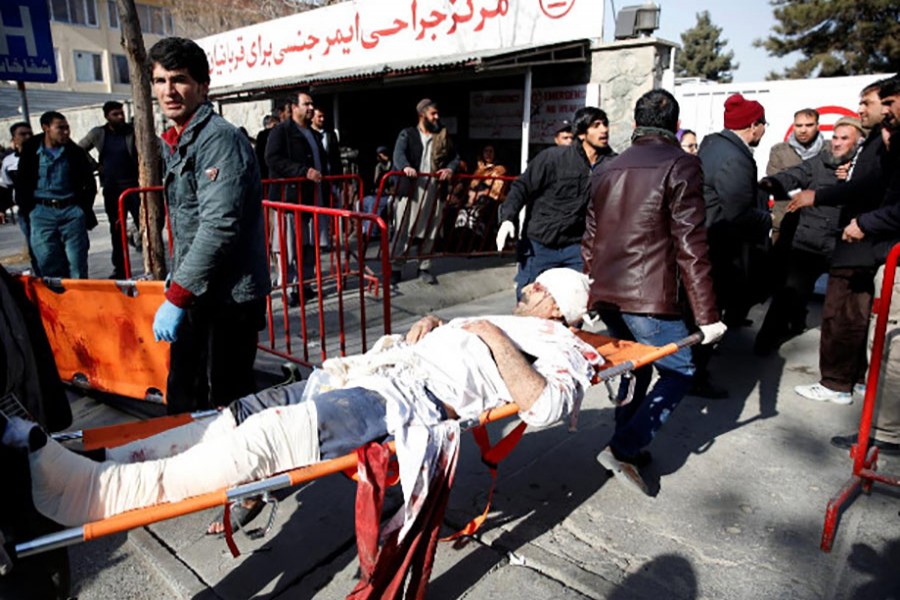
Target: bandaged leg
[[73, 490], [174, 441]]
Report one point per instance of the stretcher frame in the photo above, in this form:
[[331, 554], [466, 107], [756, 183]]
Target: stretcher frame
[[622, 356]]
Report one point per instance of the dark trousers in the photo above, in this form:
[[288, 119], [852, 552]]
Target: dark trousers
[[845, 324], [535, 258], [787, 311], [111, 193], [638, 421], [211, 362], [737, 273]]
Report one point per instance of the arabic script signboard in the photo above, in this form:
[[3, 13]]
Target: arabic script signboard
[[26, 47], [497, 114], [377, 34]]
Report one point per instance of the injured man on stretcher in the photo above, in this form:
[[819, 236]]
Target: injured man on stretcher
[[405, 387]]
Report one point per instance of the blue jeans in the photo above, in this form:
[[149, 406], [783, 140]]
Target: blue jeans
[[25, 226], [639, 420], [535, 258], [59, 240]]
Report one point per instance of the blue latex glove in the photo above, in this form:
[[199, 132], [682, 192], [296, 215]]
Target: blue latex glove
[[165, 323]]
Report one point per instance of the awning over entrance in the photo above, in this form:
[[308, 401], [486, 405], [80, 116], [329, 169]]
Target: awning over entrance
[[367, 39], [488, 61]]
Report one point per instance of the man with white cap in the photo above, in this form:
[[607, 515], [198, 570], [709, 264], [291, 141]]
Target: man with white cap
[[436, 374]]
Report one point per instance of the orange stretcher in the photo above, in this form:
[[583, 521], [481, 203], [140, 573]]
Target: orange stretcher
[[622, 357], [101, 332]]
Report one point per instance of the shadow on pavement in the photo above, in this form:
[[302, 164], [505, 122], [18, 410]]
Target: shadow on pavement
[[668, 576]]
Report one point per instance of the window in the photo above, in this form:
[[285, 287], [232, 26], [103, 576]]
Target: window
[[59, 65], [120, 69], [76, 12], [154, 19], [88, 66]]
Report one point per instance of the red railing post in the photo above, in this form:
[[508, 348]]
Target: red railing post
[[865, 460]]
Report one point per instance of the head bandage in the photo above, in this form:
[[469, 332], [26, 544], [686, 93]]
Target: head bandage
[[569, 289]]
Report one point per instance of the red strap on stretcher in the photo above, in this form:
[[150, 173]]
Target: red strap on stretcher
[[490, 456], [229, 534]]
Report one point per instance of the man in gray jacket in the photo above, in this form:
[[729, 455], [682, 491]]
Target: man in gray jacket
[[118, 166], [215, 301], [813, 234]]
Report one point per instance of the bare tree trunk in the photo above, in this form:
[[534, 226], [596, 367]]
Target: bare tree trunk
[[152, 212]]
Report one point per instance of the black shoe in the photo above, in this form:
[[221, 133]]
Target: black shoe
[[425, 276], [846, 441], [396, 277], [293, 299], [705, 389], [640, 460]]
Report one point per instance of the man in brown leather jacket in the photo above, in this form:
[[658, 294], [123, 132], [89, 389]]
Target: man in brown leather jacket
[[645, 245]]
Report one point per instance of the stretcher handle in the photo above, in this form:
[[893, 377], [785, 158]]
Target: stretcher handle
[[650, 357]]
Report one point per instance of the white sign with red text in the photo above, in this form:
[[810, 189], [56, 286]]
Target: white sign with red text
[[375, 34]]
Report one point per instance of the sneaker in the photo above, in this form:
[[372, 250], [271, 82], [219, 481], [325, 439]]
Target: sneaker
[[820, 393], [859, 389], [640, 460], [425, 276], [626, 473], [847, 441]]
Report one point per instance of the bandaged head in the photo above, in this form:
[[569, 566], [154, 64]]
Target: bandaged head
[[569, 289]]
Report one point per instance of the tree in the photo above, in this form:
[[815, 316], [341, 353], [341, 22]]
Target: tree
[[152, 212], [836, 37], [702, 52]]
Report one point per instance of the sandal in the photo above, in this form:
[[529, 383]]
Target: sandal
[[241, 515]]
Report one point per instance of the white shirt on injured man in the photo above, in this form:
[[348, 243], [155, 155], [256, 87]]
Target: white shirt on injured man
[[453, 364]]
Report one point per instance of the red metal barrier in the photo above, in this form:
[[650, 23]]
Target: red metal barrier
[[294, 224], [342, 191], [461, 218], [865, 459], [341, 256]]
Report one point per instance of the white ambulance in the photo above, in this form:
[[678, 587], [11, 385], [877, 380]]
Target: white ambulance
[[702, 105]]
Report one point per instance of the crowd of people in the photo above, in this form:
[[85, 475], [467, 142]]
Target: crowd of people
[[668, 237]]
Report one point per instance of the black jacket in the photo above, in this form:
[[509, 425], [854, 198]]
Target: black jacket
[[333, 152], [555, 190], [817, 226], [81, 176], [408, 153], [28, 371], [863, 193], [262, 139], [735, 209], [288, 155], [882, 225]]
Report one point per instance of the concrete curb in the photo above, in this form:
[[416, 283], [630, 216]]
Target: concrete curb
[[184, 582]]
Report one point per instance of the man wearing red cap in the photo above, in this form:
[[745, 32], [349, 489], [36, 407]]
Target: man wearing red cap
[[737, 216]]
